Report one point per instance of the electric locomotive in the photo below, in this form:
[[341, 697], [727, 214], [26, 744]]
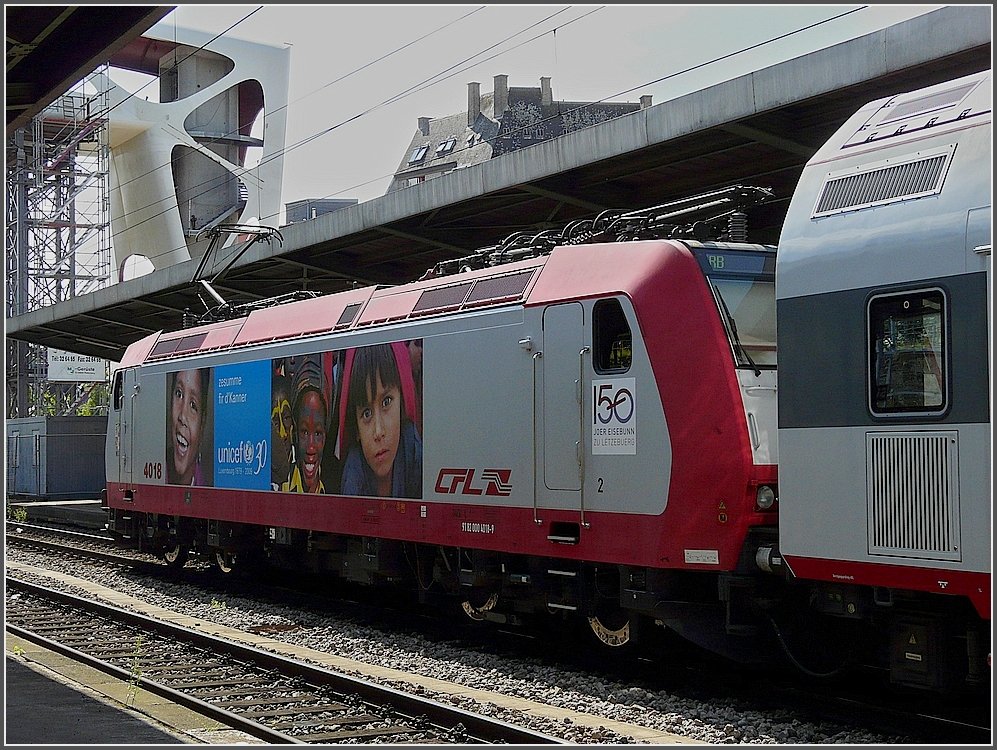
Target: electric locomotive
[[579, 424]]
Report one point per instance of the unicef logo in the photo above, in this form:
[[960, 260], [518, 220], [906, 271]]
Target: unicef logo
[[247, 451]]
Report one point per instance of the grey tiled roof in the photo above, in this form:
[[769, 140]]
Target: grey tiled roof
[[472, 144], [526, 121]]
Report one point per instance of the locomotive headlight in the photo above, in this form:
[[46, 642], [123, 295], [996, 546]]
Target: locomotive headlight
[[765, 498]]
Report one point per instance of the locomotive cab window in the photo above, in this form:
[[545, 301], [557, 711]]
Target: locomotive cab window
[[748, 312], [612, 342], [907, 353], [743, 286], [118, 389]]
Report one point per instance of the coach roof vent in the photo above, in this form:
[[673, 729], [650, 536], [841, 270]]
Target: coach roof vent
[[349, 313], [914, 176], [443, 298]]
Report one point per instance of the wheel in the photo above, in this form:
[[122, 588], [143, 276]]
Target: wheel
[[612, 630], [225, 561], [477, 612], [175, 555]]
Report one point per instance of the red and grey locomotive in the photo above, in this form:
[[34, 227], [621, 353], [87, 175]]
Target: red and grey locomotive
[[585, 424]]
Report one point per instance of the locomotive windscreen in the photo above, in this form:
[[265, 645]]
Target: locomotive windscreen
[[743, 284]]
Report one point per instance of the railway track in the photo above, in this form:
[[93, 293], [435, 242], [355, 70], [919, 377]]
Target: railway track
[[912, 717], [829, 702], [56, 530], [81, 544], [271, 697]]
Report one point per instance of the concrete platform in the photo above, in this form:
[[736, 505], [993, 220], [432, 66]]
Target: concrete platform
[[86, 514], [41, 710], [51, 700]]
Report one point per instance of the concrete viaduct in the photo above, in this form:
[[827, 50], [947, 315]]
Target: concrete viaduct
[[757, 129]]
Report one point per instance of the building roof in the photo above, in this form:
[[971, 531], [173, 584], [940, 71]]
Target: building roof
[[471, 144], [524, 116]]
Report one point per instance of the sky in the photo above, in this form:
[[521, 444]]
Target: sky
[[349, 59]]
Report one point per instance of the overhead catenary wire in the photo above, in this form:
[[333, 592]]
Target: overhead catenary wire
[[437, 79], [208, 142], [617, 94], [310, 138], [315, 91], [390, 100], [103, 113]]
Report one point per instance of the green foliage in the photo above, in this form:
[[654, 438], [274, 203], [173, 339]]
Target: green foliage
[[58, 399], [135, 670], [17, 513], [97, 401]]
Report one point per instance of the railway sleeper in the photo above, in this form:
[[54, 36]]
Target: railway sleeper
[[723, 613]]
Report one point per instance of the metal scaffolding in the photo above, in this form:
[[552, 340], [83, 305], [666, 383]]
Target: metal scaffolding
[[58, 235]]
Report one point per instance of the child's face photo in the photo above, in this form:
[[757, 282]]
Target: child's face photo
[[310, 429], [379, 427], [280, 431], [186, 421]]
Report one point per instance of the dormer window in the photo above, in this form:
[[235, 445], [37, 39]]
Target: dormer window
[[418, 153], [446, 147]]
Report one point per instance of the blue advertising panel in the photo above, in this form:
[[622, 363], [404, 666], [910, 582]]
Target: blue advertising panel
[[346, 422], [242, 425]]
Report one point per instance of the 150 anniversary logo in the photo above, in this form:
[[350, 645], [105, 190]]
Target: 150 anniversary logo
[[614, 417]]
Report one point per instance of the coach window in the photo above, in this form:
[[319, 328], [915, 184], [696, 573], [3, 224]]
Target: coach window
[[612, 342], [907, 353]]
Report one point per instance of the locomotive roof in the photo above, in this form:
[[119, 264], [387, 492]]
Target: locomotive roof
[[575, 272], [497, 275], [342, 311]]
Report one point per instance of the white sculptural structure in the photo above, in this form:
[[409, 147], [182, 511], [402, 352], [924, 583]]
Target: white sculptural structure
[[178, 166]]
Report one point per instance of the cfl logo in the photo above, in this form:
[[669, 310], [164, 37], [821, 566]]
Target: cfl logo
[[497, 482]]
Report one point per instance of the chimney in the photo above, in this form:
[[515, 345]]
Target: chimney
[[501, 90], [546, 97], [645, 101], [473, 102], [424, 125]]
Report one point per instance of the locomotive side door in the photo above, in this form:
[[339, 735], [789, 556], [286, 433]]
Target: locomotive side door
[[560, 403]]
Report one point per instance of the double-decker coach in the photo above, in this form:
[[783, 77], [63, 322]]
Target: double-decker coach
[[883, 282]]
